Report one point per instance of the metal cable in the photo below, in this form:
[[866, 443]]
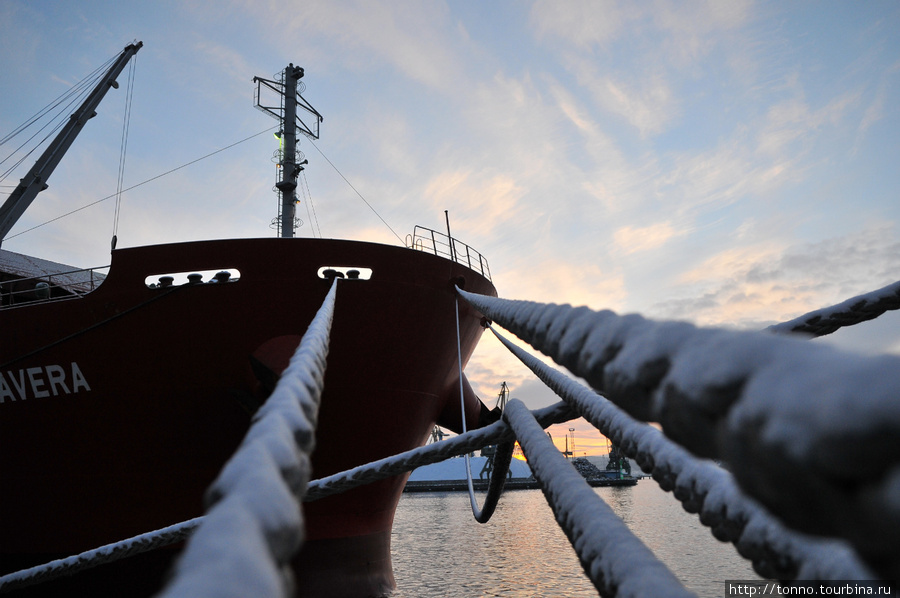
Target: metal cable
[[135, 186], [126, 122], [502, 456]]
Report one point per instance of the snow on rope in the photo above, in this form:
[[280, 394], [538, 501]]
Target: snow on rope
[[614, 559], [473, 440], [315, 490], [98, 556], [254, 523], [811, 432], [852, 311], [705, 488]]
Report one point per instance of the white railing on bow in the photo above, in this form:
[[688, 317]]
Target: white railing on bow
[[432, 241]]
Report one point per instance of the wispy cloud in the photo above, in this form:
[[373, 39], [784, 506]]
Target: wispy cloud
[[410, 36], [723, 162], [770, 282], [631, 239]]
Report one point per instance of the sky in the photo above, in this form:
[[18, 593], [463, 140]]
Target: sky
[[726, 163]]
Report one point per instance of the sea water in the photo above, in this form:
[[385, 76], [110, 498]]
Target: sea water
[[438, 549]]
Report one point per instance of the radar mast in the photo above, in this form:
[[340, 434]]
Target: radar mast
[[291, 110]]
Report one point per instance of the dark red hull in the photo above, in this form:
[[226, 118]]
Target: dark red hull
[[119, 408]]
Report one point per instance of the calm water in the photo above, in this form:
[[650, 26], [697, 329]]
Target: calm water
[[440, 550]]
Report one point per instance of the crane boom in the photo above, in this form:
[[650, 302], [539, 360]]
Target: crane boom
[[36, 180]]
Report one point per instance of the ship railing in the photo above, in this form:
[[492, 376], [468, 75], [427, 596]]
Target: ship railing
[[432, 241], [45, 288]]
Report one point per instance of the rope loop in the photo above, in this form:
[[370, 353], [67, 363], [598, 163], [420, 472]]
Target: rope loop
[[502, 457]]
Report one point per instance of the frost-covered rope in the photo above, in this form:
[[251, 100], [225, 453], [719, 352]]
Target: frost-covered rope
[[254, 523], [98, 556], [811, 432], [502, 456], [497, 432], [705, 488], [847, 313], [494, 433], [614, 559]]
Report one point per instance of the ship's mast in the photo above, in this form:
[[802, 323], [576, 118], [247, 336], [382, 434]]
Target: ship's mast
[[289, 89], [36, 180]]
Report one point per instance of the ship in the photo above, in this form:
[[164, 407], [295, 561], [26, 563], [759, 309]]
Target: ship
[[123, 392]]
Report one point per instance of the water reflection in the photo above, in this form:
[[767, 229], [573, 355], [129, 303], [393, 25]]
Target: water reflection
[[440, 550]]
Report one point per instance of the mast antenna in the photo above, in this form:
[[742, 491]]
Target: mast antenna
[[305, 120]]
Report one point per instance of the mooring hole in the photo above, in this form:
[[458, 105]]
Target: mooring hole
[[192, 277], [347, 272]]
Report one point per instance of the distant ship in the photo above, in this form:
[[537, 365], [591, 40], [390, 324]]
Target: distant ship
[[121, 396]]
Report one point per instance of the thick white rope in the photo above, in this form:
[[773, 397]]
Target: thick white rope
[[705, 488], [497, 432], [98, 556], [819, 322], [254, 522], [847, 313], [614, 559], [811, 432]]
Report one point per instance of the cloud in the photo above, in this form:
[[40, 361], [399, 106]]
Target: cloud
[[410, 36], [629, 239], [629, 56], [793, 120], [583, 24], [648, 103], [493, 196], [874, 111], [690, 29], [695, 29], [768, 282], [552, 279]]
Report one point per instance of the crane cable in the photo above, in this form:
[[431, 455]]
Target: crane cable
[[150, 180], [72, 96], [124, 145]]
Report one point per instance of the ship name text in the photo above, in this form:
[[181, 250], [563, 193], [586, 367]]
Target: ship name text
[[42, 382]]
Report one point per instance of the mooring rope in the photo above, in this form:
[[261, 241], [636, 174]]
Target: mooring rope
[[495, 433], [614, 559], [498, 432], [254, 523], [811, 432], [703, 487], [629, 354], [98, 556], [502, 456], [847, 313]]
